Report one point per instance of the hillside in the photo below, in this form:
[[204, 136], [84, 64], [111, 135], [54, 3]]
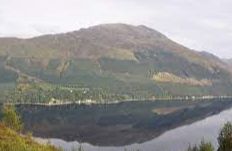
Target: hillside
[[120, 60], [11, 141], [228, 61]]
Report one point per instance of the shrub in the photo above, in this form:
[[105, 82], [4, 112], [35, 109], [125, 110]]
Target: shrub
[[204, 146], [225, 138], [11, 119]]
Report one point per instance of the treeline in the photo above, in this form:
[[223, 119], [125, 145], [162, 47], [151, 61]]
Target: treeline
[[224, 141], [45, 94]]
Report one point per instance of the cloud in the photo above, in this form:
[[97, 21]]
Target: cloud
[[199, 24]]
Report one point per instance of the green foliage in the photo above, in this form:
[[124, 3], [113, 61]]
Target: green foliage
[[224, 141], [45, 93], [11, 119], [12, 141], [225, 138], [204, 146]]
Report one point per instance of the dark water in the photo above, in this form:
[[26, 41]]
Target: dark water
[[139, 125], [173, 140]]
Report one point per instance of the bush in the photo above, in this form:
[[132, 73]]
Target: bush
[[11, 119], [204, 146], [12, 141], [225, 138]]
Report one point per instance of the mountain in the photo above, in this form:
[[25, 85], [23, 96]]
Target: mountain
[[228, 62], [121, 59]]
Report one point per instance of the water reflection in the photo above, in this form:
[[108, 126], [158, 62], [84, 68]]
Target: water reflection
[[117, 124], [174, 140]]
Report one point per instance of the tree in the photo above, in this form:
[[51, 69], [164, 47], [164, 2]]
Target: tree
[[204, 146], [11, 119], [225, 138]]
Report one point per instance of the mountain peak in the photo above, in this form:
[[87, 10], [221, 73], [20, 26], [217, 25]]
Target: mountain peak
[[124, 29]]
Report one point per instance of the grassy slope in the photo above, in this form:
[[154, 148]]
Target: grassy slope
[[11, 141]]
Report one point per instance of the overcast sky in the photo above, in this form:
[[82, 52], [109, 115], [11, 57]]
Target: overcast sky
[[199, 24]]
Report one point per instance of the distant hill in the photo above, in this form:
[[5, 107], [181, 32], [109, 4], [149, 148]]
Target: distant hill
[[133, 61], [228, 62]]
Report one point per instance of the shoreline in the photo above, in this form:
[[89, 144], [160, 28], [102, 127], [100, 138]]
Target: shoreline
[[104, 102]]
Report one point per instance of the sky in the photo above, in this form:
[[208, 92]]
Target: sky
[[204, 25]]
